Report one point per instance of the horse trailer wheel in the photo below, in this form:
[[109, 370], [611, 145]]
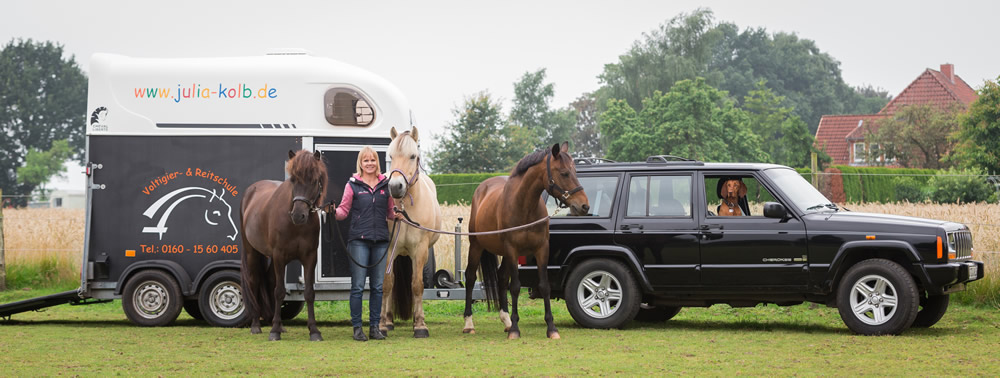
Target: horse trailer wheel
[[152, 299], [221, 300], [191, 307], [877, 297], [291, 309], [932, 310], [602, 293]]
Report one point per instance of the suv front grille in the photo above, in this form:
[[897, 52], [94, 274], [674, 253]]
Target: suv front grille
[[963, 244]]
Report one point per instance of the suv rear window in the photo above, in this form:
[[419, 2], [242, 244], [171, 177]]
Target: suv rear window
[[600, 192]]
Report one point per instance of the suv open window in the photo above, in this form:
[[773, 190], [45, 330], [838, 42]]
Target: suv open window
[[659, 196], [600, 192], [755, 197]]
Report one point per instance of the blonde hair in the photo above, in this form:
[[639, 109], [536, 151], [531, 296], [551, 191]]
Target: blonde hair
[[361, 155]]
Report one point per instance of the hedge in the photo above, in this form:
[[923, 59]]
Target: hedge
[[457, 188], [876, 184]]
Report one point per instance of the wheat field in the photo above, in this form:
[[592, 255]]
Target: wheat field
[[54, 237]]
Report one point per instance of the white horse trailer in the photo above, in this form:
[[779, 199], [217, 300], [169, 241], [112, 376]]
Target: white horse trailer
[[172, 144]]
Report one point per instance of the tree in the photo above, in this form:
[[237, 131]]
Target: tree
[[40, 166], [786, 137], [694, 45], [43, 98], [978, 137], [480, 140], [693, 120], [587, 137], [915, 136], [532, 111]]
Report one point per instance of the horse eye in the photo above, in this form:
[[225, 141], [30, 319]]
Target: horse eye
[[565, 174], [413, 157]]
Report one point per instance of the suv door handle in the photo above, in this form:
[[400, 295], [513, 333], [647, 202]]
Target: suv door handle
[[707, 228], [634, 227]]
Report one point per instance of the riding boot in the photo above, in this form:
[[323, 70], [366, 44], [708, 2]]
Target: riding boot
[[375, 334], [359, 335]]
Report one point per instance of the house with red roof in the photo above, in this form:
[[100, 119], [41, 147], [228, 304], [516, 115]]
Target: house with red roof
[[843, 136]]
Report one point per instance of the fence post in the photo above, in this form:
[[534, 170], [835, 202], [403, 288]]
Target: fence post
[[3, 266], [812, 165]]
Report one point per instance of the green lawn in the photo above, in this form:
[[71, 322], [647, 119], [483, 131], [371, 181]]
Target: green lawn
[[806, 339]]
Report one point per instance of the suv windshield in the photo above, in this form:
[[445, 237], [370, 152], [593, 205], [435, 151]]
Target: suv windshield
[[801, 193]]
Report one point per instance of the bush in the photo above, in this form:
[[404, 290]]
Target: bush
[[962, 186], [911, 190]]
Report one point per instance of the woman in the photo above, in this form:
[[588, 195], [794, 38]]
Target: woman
[[367, 200]]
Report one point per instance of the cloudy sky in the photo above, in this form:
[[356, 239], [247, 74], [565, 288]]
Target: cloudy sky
[[439, 52]]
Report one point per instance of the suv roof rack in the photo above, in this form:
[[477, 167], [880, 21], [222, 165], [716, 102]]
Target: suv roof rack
[[665, 159], [592, 160]]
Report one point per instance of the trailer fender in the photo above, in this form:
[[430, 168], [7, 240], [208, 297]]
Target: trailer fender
[[173, 268], [210, 268], [609, 251]]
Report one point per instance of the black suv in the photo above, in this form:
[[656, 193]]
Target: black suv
[[654, 243]]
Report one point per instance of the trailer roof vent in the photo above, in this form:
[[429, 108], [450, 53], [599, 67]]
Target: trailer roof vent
[[288, 51]]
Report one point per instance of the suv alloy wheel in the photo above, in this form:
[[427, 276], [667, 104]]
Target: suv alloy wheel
[[877, 297], [602, 293]]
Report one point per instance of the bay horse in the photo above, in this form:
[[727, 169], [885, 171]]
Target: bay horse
[[416, 194], [279, 222], [503, 202]]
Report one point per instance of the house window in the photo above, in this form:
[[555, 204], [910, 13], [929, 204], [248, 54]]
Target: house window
[[859, 152], [347, 107], [58, 201], [875, 152]]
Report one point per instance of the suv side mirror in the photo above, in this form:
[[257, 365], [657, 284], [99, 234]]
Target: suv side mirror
[[775, 210]]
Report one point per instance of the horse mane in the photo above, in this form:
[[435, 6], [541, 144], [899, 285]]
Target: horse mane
[[408, 141], [304, 167], [532, 159]]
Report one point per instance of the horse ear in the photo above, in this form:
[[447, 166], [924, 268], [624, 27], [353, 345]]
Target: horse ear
[[555, 150], [393, 133], [318, 155], [565, 147], [291, 154], [413, 133]]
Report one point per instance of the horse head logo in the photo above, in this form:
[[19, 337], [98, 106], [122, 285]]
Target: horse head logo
[[218, 212]]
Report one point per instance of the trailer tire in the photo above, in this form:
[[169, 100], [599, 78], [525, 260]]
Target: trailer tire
[[152, 298], [291, 309], [221, 300], [191, 307]]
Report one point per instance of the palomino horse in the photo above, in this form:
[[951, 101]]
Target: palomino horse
[[504, 202], [279, 222], [416, 194]]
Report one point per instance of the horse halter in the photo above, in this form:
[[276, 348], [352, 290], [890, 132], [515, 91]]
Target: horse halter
[[410, 182], [558, 193], [311, 204]]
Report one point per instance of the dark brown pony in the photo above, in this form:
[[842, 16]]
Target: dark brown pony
[[503, 202], [279, 222]]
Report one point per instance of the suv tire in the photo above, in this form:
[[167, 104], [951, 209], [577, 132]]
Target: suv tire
[[152, 298], [933, 308], [221, 300], [602, 293], [657, 314], [877, 297]]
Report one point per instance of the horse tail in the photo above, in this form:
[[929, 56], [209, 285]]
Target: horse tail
[[402, 288], [491, 284]]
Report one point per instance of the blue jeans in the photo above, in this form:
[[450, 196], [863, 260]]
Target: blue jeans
[[367, 252]]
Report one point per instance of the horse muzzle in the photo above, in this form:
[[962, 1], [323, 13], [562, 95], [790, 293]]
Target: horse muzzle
[[397, 188]]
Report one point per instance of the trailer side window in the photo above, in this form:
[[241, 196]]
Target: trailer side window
[[347, 107]]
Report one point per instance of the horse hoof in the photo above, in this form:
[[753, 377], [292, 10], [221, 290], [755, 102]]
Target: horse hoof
[[554, 336], [389, 327], [471, 331], [514, 335], [255, 331], [275, 336], [421, 334], [318, 337]]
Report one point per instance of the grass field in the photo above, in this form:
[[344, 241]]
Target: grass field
[[771, 340]]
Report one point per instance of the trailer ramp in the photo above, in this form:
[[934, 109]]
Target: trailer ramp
[[72, 297]]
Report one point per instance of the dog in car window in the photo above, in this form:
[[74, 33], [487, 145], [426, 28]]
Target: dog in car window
[[731, 191]]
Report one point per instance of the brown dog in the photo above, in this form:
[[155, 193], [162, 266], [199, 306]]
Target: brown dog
[[732, 191]]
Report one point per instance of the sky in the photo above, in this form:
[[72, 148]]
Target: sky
[[440, 52]]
